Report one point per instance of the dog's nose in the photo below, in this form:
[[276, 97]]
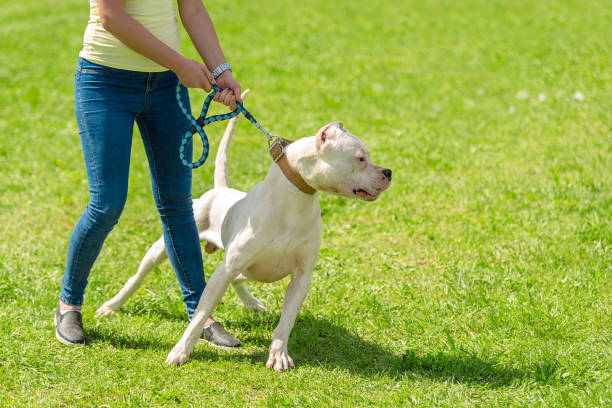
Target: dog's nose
[[387, 173]]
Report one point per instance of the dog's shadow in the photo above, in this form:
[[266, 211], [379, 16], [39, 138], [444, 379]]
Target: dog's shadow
[[318, 342]]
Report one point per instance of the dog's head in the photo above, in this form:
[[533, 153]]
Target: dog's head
[[342, 165]]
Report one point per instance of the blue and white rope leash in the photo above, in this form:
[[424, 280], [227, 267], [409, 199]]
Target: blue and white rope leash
[[198, 125]]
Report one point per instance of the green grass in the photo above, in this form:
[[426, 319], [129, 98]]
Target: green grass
[[482, 277]]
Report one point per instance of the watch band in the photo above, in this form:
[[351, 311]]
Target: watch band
[[221, 69]]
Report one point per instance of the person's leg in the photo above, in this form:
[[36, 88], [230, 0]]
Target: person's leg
[[161, 126], [105, 116]]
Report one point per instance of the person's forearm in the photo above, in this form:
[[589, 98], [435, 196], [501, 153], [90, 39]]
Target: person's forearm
[[116, 21], [202, 32]]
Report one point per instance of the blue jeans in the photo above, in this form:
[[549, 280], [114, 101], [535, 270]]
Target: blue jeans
[[107, 102]]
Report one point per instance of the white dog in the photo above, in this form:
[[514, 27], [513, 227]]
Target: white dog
[[272, 231]]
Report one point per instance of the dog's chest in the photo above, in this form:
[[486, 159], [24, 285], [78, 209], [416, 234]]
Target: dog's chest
[[282, 256]]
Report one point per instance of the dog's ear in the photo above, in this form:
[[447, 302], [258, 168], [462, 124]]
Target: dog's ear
[[338, 124], [327, 132]]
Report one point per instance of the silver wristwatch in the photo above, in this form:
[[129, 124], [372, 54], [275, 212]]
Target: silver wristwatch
[[221, 69]]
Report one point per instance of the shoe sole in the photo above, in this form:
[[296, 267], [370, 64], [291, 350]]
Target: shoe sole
[[217, 346], [60, 338]]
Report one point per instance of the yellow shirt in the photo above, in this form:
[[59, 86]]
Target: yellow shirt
[[101, 47]]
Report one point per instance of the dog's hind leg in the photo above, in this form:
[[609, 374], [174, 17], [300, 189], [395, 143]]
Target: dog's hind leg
[[248, 300], [154, 256]]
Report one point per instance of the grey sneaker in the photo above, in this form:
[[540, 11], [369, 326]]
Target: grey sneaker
[[69, 327], [217, 336]]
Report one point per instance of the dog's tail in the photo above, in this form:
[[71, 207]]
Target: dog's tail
[[221, 178]]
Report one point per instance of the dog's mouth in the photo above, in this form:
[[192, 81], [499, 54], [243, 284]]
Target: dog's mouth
[[364, 195]]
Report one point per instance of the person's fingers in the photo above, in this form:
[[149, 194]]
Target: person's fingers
[[204, 84], [237, 91], [209, 76], [222, 95], [228, 98], [225, 98]]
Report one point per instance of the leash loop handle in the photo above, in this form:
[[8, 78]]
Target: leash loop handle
[[197, 126]]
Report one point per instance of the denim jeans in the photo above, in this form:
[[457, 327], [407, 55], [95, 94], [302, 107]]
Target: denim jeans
[[107, 102]]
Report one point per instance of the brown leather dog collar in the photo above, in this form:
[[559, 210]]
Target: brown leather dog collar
[[277, 151]]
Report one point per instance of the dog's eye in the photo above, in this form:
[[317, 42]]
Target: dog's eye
[[361, 159]]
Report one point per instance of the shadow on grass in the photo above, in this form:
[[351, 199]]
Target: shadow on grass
[[318, 342]]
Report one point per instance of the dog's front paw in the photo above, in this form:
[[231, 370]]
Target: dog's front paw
[[105, 310], [279, 358], [178, 355]]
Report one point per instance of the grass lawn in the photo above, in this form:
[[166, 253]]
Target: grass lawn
[[482, 277]]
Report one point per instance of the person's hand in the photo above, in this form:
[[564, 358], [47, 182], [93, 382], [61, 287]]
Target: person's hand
[[231, 90], [193, 74]]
